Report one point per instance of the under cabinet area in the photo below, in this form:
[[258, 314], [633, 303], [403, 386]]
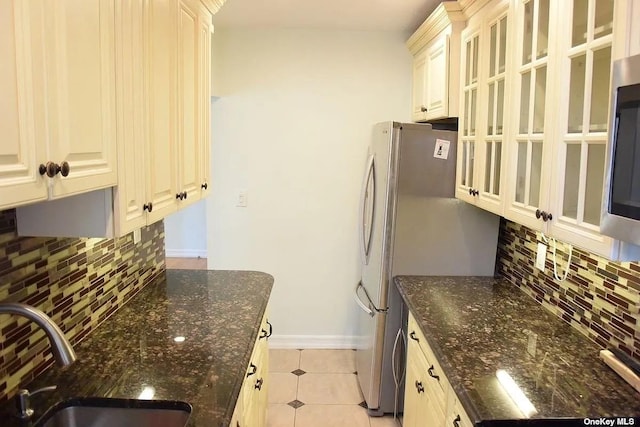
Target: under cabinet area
[[429, 399], [57, 94], [162, 88], [436, 50]]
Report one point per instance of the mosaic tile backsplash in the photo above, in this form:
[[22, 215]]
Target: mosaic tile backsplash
[[600, 298], [77, 282]]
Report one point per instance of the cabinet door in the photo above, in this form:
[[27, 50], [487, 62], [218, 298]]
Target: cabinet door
[[162, 153], [530, 149], [465, 178], [436, 97], [419, 410], [582, 132], [81, 93], [189, 105], [419, 113], [494, 83], [21, 151], [204, 99], [130, 194]]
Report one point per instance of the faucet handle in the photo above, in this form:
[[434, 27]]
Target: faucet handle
[[22, 400]]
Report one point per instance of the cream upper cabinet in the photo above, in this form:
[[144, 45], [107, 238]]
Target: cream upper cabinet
[[435, 46], [561, 99], [161, 81], [484, 114], [58, 99], [80, 92], [22, 147]]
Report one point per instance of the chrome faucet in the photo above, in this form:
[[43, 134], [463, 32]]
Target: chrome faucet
[[60, 347]]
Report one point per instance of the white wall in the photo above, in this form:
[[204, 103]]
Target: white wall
[[185, 232], [292, 127]]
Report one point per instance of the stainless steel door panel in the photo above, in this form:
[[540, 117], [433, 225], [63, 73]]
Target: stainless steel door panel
[[369, 356]]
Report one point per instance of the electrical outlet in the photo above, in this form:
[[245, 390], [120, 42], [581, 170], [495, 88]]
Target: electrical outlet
[[242, 199], [137, 236], [541, 256]]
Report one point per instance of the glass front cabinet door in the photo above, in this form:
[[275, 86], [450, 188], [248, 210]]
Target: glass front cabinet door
[[483, 116], [530, 147]]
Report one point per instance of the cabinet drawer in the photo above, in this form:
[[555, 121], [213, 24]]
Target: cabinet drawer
[[437, 384], [456, 415]]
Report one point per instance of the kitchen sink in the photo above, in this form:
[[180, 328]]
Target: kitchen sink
[[99, 412]]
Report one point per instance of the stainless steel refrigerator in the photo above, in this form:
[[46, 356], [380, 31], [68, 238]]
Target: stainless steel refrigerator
[[410, 224]]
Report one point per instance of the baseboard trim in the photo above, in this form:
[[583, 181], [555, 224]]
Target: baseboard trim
[[186, 253], [337, 342]]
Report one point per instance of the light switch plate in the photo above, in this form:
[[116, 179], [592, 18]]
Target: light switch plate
[[541, 256]]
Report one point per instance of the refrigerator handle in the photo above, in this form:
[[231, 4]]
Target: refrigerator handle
[[359, 301], [364, 238]]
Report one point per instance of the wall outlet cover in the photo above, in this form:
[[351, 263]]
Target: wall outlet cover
[[541, 256]]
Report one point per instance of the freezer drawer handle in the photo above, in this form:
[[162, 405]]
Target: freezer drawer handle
[[360, 303], [413, 336], [456, 422], [431, 374], [419, 387]]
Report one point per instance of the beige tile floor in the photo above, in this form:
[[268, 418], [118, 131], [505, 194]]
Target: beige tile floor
[[310, 388], [186, 263]]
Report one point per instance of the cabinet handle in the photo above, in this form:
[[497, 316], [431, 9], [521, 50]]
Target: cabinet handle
[[259, 384], [412, 335], [265, 334], [419, 387], [184, 195], [456, 421], [423, 109], [147, 207], [252, 370], [270, 329], [204, 186], [471, 191], [179, 196], [431, 374]]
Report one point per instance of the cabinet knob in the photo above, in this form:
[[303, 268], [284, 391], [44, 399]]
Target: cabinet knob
[[476, 192], [412, 335], [64, 169], [471, 191], [423, 109], [546, 216], [538, 213], [456, 421], [51, 169], [432, 375], [204, 186], [419, 387], [179, 196], [147, 207], [252, 370], [184, 195], [42, 169], [259, 383]]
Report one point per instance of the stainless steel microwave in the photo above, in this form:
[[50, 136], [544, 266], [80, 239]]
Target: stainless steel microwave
[[621, 204]]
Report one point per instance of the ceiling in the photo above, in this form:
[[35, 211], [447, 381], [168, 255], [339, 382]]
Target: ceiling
[[365, 15]]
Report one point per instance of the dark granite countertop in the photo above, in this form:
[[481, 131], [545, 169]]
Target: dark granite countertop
[[477, 326], [218, 313]]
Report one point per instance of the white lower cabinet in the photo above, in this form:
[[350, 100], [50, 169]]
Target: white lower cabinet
[[251, 408], [429, 400]]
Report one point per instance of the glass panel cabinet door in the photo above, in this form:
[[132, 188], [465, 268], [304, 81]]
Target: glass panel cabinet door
[[493, 83], [528, 183], [583, 131], [466, 188]]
